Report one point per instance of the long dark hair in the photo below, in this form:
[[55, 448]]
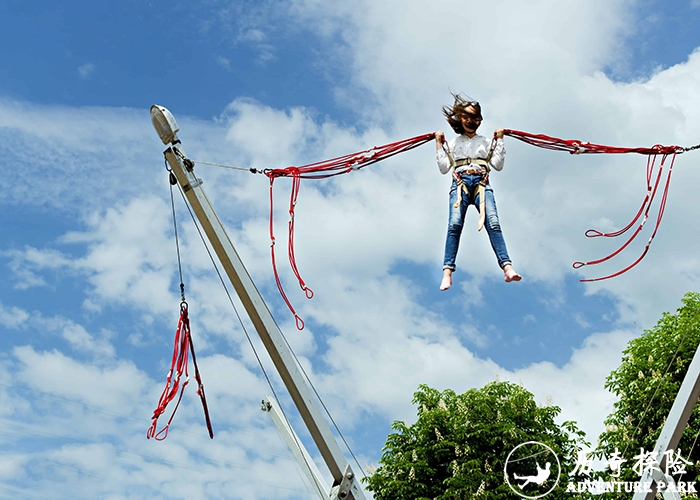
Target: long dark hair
[[454, 113]]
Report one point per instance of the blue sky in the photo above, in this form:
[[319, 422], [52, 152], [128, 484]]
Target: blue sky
[[90, 299], [128, 54]]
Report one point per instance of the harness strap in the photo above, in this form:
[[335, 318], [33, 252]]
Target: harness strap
[[471, 161], [480, 189]]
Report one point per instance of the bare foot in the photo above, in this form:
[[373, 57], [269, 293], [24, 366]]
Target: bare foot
[[446, 280], [509, 274]]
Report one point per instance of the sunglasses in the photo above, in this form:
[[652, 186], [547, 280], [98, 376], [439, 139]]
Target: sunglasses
[[471, 116]]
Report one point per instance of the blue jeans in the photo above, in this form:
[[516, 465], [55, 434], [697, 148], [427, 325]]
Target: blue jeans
[[456, 222]]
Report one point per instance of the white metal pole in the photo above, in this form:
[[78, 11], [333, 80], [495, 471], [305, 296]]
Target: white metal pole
[[298, 449], [675, 424]]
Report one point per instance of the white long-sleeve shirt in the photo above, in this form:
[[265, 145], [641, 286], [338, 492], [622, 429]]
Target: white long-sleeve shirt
[[476, 147]]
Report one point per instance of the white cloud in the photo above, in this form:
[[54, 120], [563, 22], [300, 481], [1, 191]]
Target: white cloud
[[90, 424], [83, 341], [86, 71], [253, 35], [549, 84], [13, 317], [76, 335], [581, 320], [577, 387], [224, 62], [108, 388], [129, 259], [11, 465], [529, 318], [25, 265], [128, 250]]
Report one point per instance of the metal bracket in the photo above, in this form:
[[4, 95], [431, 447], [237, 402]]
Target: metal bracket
[[318, 483], [659, 477], [196, 182], [348, 488]]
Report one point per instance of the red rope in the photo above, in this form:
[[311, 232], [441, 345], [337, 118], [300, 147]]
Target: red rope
[[662, 208], [579, 147], [323, 170], [594, 233], [178, 366], [356, 161], [297, 318]]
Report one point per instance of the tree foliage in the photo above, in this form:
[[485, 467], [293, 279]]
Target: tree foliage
[[459, 444], [647, 381]]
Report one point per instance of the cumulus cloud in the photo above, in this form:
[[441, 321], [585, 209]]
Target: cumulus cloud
[[87, 424], [12, 317], [578, 390], [25, 263]]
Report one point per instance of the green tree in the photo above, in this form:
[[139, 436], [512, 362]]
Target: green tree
[[458, 446], [647, 382]]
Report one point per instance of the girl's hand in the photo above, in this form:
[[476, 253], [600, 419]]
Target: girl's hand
[[439, 139]]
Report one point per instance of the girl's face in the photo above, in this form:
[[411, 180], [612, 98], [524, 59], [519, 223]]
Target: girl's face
[[471, 119]]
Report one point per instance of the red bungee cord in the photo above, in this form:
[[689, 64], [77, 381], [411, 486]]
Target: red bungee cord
[[356, 161], [178, 367], [323, 170], [580, 147]]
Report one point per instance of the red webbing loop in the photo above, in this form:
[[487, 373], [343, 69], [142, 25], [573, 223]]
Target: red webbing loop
[[662, 208], [578, 265], [178, 366], [323, 170], [296, 184], [297, 319], [648, 198], [580, 147]]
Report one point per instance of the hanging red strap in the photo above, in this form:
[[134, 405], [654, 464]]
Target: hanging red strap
[[178, 367], [581, 147], [200, 386], [297, 318], [322, 170], [648, 198], [659, 216]]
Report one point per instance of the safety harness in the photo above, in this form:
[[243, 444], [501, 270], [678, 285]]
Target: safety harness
[[477, 166]]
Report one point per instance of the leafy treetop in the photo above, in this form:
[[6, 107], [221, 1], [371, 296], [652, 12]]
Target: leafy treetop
[[459, 444]]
